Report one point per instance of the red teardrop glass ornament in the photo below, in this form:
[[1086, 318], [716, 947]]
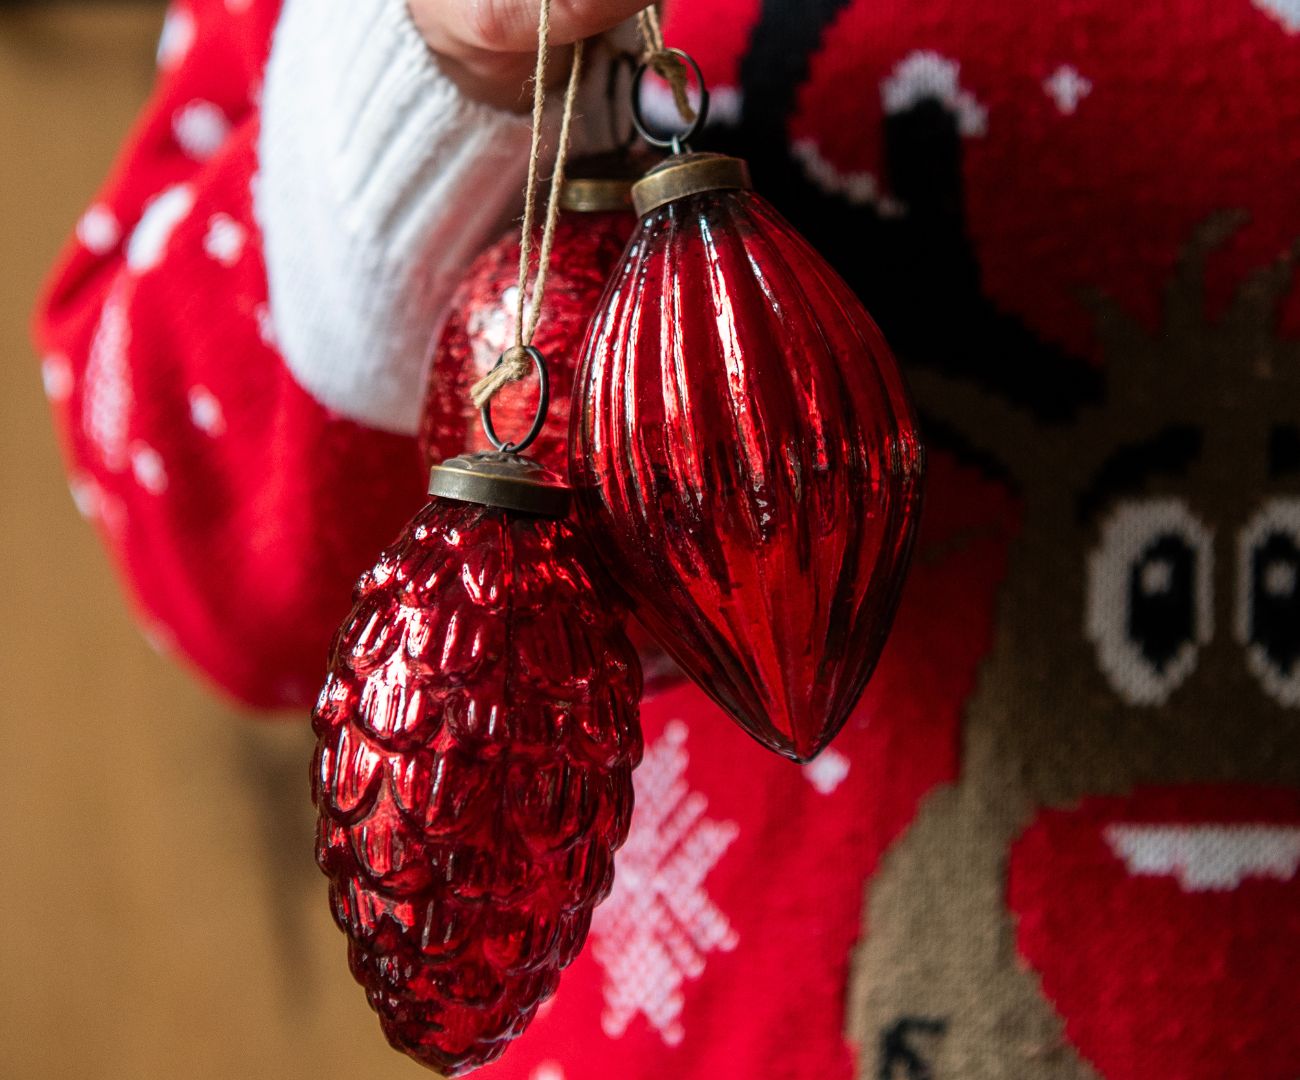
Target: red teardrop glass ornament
[[473, 771], [589, 240], [745, 456]]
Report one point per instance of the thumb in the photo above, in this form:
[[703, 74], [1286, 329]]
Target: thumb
[[511, 25]]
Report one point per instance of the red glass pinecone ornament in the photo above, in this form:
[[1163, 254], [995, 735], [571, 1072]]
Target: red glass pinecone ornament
[[745, 455], [473, 772], [593, 227]]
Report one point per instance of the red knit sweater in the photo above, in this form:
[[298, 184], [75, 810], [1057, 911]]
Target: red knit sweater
[[1068, 219]]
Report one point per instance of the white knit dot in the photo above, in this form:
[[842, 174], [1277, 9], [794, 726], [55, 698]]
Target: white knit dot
[[176, 39], [1067, 88], [107, 397], [161, 216], [547, 1070], [56, 376], [85, 495], [225, 239], [238, 7], [205, 411], [98, 230], [266, 327], [827, 771], [147, 468], [200, 129]]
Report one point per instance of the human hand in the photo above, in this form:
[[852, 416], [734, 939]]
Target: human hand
[[489, 47]]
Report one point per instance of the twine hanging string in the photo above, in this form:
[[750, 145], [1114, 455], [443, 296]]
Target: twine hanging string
[[516, 363], [664, 64]]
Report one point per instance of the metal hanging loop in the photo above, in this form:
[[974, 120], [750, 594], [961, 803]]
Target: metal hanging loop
[[543, 403], [679, 142]]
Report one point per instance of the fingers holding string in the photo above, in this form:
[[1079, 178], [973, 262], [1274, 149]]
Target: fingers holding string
[[509, 27]]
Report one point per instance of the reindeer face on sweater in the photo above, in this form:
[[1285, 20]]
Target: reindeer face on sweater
[[1135, 654], [1131, 752]]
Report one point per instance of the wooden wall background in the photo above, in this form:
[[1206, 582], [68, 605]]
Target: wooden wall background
[[160, 916]]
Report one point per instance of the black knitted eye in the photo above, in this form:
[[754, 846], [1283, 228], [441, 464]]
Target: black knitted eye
[[1148, 606], [1268, 598]]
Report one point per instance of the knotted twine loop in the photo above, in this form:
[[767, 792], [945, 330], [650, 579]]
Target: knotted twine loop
[[664, 64], [515, 362]]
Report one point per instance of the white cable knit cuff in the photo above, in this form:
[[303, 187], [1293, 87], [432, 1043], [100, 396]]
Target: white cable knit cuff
[[379, 183]]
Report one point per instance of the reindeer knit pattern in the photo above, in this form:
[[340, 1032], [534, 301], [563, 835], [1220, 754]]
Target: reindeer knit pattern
[[1060, 837]]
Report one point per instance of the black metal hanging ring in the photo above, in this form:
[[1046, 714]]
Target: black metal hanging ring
[[677, 143], [543, 403]]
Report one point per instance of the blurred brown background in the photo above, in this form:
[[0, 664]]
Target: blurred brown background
[[160, 915]]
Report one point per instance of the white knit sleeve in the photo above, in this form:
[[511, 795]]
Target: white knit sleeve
[[378, 184]]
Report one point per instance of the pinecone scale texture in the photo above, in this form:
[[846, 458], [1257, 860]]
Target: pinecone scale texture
[[476, 737]]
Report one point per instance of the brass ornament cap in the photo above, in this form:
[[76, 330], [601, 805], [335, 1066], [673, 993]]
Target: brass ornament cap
[[688, 174], [602, 183], [594, 195], [503, 480]]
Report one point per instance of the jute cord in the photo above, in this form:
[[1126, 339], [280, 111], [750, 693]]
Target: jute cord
[[515, 363], [667, 66]]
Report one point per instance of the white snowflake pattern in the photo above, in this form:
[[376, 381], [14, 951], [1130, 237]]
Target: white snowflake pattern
[[225, 239], [925, 74], [659, 925], [200, 128], [827, 771], [1067, 88]]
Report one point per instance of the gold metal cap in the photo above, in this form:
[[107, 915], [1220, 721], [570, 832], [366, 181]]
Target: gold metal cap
[[690, 174], [592, 195], [596, 183], [501, 479]]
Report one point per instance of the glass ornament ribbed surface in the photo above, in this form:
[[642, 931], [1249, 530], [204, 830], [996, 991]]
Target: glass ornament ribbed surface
[[746, 460]]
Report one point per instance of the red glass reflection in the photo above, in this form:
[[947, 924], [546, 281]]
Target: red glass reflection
[[747, 461], [481, 327], [477, 735]]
